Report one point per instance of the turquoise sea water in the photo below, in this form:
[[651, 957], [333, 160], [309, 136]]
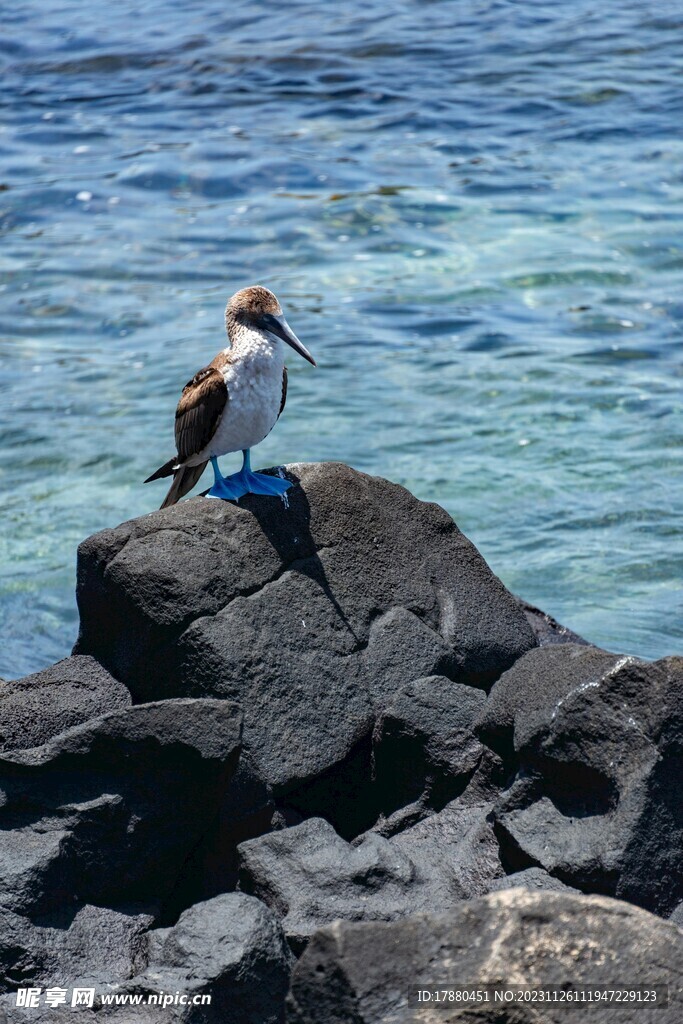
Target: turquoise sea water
[[472, 213]]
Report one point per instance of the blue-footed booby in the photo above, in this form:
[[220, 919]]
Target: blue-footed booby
[[235, 401]]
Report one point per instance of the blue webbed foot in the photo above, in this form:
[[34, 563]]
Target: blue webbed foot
[[231, 488], [262, 483]]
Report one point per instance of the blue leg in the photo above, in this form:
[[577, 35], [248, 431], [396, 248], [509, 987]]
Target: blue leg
[[228, 487], [245, 482]]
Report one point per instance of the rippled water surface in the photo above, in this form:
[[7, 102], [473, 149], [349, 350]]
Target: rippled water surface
[[472, 214]]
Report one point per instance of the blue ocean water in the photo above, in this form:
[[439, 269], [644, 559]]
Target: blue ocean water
[[472, 213]]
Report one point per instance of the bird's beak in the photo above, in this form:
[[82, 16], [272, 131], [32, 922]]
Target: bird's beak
[[278, 325]]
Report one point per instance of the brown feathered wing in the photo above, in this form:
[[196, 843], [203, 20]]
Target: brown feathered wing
[[199, 411]]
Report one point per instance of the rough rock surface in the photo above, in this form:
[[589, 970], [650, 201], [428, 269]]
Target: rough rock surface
[[91, 945], [107, 812], [525, 698], [356, 634], [424, 745], [310, 876], [366, 973], [530, 878], [309, 617], [230, 949], [548, 630], [596, 801], [38, 707]]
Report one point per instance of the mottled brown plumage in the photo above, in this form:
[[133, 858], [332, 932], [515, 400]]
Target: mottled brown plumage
[[200, 408], [249, 305]]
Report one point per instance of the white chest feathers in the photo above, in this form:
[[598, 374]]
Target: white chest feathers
[[253, 377]]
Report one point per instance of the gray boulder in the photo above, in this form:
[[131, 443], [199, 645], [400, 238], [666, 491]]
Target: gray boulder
[[456, 850], [231, 948], [598, 794], [86, 946], [310, 876], [370, 973], [38, 707], [530, 878], [309, 616], [400, 648], [548, 630], [424, 745], [107, 812], [677, 915], [525, 697], [227, 957]]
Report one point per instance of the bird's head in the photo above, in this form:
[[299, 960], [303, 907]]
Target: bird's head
[[257, 307]]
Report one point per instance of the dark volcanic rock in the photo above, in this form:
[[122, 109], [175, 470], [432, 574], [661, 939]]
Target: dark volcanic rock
[[424, 742], [108, 811], [400, 648], [308, 616], [38, 707], [366, 973], [525, 697], [548, 630], [455, 849], [531, 878], [230, 950], [99, 947], [598, 798], [356, 633], [310, 876]]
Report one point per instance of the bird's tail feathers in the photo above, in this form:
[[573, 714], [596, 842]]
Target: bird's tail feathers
[[167, 469], [184, 480]]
